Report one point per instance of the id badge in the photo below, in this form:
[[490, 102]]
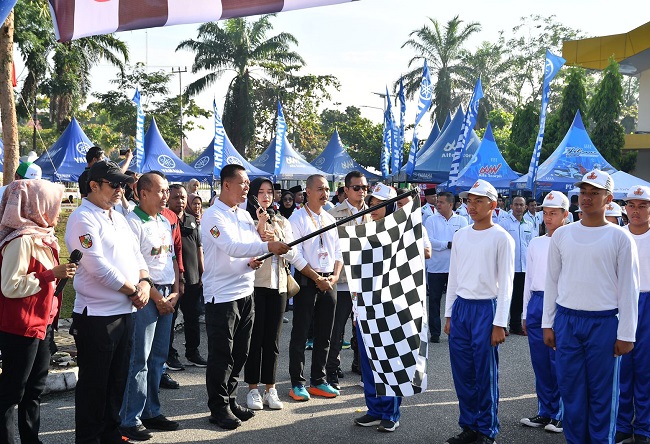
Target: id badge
[[323, 259]]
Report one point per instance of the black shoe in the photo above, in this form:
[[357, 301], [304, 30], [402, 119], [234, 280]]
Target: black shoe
[[196, 360], [136, 433], [641, 439], [435, 339], [535, 421], [285, 320], [224, 418], [367, 421], [242, 413], [623, 438], [387, 425], [167, 382], [482, 439], [174, 364], [467, 436], [160, 423], [340, 373], [333, 380]]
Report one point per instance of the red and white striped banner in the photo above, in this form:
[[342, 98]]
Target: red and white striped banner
[[81, 18]]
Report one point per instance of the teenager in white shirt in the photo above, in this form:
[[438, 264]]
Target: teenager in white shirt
[[593, 275], [633, 422], [549, 404], [478, 300]]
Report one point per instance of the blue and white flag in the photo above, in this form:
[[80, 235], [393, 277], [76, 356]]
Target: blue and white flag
[[138, 159], [424, 103], [219, 141], [280, 135], [402, 113], [551, 68], [461, 143], [389, 133]]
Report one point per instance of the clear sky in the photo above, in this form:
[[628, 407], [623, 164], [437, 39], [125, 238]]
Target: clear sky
[[360, 42]]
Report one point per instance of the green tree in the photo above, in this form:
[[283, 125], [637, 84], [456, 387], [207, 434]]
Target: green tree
[[241, 46], [441, 46], [363, 138], [522, 137], [607, 133]]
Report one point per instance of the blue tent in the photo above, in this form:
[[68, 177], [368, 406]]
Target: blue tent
[[336, 161], [205, 162], [433, 135], [430, 141], [294, 166], [434, 164], [65, 160], [575, 156], [158, 156], [622, 184], [487, 164]]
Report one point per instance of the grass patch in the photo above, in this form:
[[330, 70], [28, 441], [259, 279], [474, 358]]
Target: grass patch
[[68, 292]]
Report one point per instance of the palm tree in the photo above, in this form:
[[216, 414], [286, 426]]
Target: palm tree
[[7, 105], [490, 62], [441, 47], [241, 46]]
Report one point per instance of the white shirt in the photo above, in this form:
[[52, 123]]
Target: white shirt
[[462, 212], [593, 269], [229, 241], [441, 231], [321, 251], [522, 233], [536, 260], [482, 267], [428, 210], [643, 249], [154, 236], [111, 257], [535, 221], [498, 214]]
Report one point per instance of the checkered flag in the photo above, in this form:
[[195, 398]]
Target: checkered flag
[[384, 263]]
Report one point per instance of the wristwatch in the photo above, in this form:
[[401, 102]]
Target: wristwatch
[[146, 279]]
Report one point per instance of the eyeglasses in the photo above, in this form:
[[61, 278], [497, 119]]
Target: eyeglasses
[[359, 187], [287, 199], [115, 185]]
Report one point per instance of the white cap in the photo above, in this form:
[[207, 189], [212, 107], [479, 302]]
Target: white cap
[[555, 199], [28, 170], [382, 192], [481, 188], [598, 179], [638, 192], [613, 209]]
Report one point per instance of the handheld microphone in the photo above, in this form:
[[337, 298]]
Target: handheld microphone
[[75, 257], [269, 211]]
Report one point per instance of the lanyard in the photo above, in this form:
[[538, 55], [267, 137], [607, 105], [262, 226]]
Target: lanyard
[[317, 225], [352, 214]]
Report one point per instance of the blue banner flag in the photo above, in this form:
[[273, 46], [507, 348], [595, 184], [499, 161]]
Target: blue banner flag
[[402, 114], [551, 68], [138, 159], [424, 103], [280, 135], [219, 142], [463, 139], [5, 8], [389, 133]]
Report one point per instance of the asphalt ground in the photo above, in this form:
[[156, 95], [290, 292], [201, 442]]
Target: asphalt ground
[[430, 417]]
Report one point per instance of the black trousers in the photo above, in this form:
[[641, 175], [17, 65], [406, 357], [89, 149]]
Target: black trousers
[[437, 285], [311, 304], [103, 354], [341, 316], [229, 326], [190, 303], [25, 362], [517, 304], [263, 354]]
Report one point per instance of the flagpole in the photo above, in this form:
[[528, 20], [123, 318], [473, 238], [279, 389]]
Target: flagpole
[[412, 193]]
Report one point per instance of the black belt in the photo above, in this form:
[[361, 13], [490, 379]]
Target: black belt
[[324, 274]]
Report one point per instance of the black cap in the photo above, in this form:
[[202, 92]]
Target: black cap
[[277, 186], [429, 191], [105, 169], [296, 189]]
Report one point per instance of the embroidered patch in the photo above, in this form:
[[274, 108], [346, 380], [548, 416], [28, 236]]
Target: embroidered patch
[[214, 231], [86, 241]]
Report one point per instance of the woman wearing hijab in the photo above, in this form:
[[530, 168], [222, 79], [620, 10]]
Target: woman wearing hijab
[[29, 259], [270, 298], [287, 204], [195, 206]]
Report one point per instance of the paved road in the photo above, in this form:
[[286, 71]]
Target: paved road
[[427, 418]]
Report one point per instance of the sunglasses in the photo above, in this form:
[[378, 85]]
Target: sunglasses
[[359, 187], [115, 185]]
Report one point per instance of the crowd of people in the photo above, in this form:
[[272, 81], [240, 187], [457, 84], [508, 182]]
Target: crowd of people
[[571, 276]]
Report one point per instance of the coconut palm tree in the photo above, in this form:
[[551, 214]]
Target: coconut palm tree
[[441, 46], [243, 47]]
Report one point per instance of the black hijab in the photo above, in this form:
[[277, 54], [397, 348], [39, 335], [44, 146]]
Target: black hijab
[[255, 186], [286, 212]]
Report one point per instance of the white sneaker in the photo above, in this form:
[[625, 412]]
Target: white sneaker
[[254, 400], [271, 399]]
